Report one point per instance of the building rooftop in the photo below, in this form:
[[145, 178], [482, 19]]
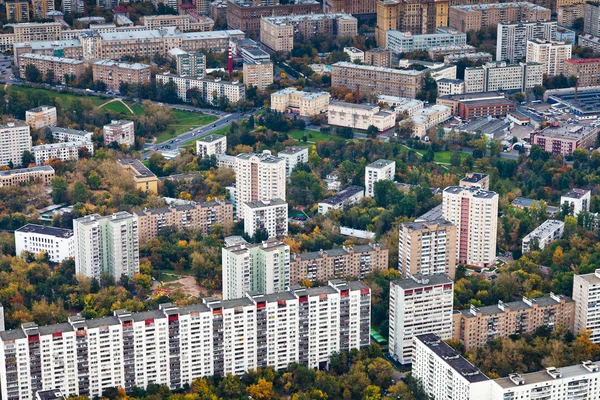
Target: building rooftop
[[567, 373], [419, 280], [285, 19], [265, 157], [343, 195], [92, 218], [118, 122], [480, 7], [47, 45], [141, 170], [57, 129], [211, 34], [475, 192], [545, 229], [121, 65], [453, 81], [45, 168], [305, 95], [521, 305], [266, 203], [211, 138], [434, 214], [338, 251], [292, 150], [41, 109], [411, 72], [576, 193], [52, 394], [46, 230], [380, 164], [59, 145], [475, 177], [420, 225], [468, 97]]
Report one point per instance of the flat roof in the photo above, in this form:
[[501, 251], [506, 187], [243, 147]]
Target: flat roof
[[480, 7], [576, 193], [545, 229], [45, 168], [361, 106], [419, 225], [291, 150], [515, 305], [59, 145], [380, 163], [282, 19], [475, 177], [434, 214], [343, 195], [567, 373], [57, 129], [46, 230], [346, 64], [266, 203], [475, 192], [41, 109], [419, 280], [211, 138], [122, 65]]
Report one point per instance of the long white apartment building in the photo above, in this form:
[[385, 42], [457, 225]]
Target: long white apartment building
[[293, 155], [403, 42], [378, 171], [474, 212], [503, 76], [263, 267], [551, 55], [107, 245], [360, 116], [586, 294], [64, 151], [57, 243], [543, 235], [445, 374], [210, 90], [69, 135], [511, 43], [174, 345], [268, 215], [259, 177], [419, 305], [211, 144], [15, 138]]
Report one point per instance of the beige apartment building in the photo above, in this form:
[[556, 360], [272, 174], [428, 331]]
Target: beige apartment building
[[16, 177], [114, 73], [566, 15], [551, 55], [586, 70], [15, 139], [377, 80], [357, 261], [184, 23], [474, 327], [37, 31], [427, 248], [278, 33], [17, 11], [478, 16], [296, 101], [210, 89], [201, 216], [360, 116], [41, 116], [258, 73], [41, 8], [379, 57], [58, 65]]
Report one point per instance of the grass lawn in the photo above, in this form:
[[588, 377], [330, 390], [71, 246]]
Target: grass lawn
[[317, 136], [443, 156], [117, 106], [96, 100], [184, 121]]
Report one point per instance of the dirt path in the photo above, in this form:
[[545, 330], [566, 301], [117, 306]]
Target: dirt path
[[120, 101]]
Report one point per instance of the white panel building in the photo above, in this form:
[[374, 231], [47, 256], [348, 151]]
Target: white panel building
[[551, 55], [58, 243], [271, 215], [544, 234], [64, 151], [15, 138], [293, 156], [259, 177], [578, 200], [211, 144], [586, 294], [378, 171]]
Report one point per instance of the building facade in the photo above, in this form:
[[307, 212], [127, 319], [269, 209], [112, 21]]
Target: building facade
[[66, 151], [586, 70], [345, 198], [402, 42], [259, 177], [379, 57], [211, 144], [15, 138], [511, 43], [303, 103], [551, 55], [360, 116], [192, 64], [41, 117], [121, 131], [591, 18], [58, 65], [377, 171], [258, 74], [586, 294], [57, 243], [561, 141], [266, 215], [475, 17], [543, 235], [209, 90], [503, 76], [15, 177], [428, 118], [578, 201], [17, 11], [113, 73], [293, 156]]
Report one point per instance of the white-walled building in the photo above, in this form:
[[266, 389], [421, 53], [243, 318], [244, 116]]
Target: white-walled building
[[475, 213], [259, 177], [586, 294], [355, 54], [210, 90], [58, 243], [503, 76], [15, 138], [577, 199], [121, 131], [448, 86], [429, 117], [69, 135], [345, 198], [512, 37], [175, 345], [293, 156], [263, 267], [360, 116], [544, 234], [271, 215], [378, 171], [296, 101], [211, 144], [401, 104], [419, 305], [551, 55], [64, 151], [107, 245], [41, 116]]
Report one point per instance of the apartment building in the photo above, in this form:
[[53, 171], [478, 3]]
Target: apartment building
[[504, 76], [64, 151], [293, 155], [476, 105], [192, 64], [551, 55], [377, 171], [377, 80], [246, 15], [183, 22], [418, 305], [476, 326], [265, 215], [15, 138], [477, 180], [345, 198], [474, 212], [379, 57], [211, 144], [427, 118], [586, 293], [120, 131], [58, 65], [360, 116], [560, 140], [73, 6], [296, 101], [402, 42], [69, 135], [450, 86], [262, 267], [454, 57], [474, 17], [37, 31], [354, 54], [586, 70], [210, 90], [22, 176], [107, 245], [218, 10], [258, 74], [202, 216], [278, 32], [577, 199], [566, 15], [113, 73], [17, 11], [427, 248], [349, 6], [57, 243], [417, 17], [174, 345], [511, 43], [543, 235], [259, 177], [591, 18], [144, 179], [42, 9], [41, 117]]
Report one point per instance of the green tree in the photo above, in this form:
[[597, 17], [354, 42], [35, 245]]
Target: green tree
[[27, 158], [59, 190], [80, 193], [372, 131], [94, 180], [32, 73]]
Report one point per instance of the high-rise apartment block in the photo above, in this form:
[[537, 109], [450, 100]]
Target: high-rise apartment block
[[357, 261], [511, 43], [474, 212], [478, 16], [14, 177], [175, 345], [377, 171], [577, 199], [586, 294], [503, 76], [296, 101], [427, 248], [41, 8], [566, 15], [263, 267], [107, 245], [258, 74], [188, 63], [202, 216], [57, 243], [354, 7], [586, 70], [543, 235], [15, 138], [259, 177], [121, 131], [476, 326], [211, 144], [265, 215], [17, 11], [293, 155], [551, 55], [591, 18], [419, 305], [41, 116]]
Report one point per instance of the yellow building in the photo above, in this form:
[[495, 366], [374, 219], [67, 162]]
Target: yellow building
[[144, 179], [302, 103]]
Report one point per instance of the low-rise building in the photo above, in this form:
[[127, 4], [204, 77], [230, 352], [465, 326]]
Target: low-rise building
[[16, 177], [120, 131], [296, 101], [441, 51], [477, 57], [429, 117], [69, 135], [447, 86], [41, 117], [543, 235], [355, 54], [404, 42], [211, 144], [476, 105], [210, 90], [269, 215], [561, 140], [379, 57], [551, 55], [293, 155], [475, 179], [144, 179], [523, 202], [345, 198], [64, 151], [401, 105], [377, 171], [258, 73], [57, 243], [589, 41], [578, 201], [59, 66], [113, 73], [360, 116]]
